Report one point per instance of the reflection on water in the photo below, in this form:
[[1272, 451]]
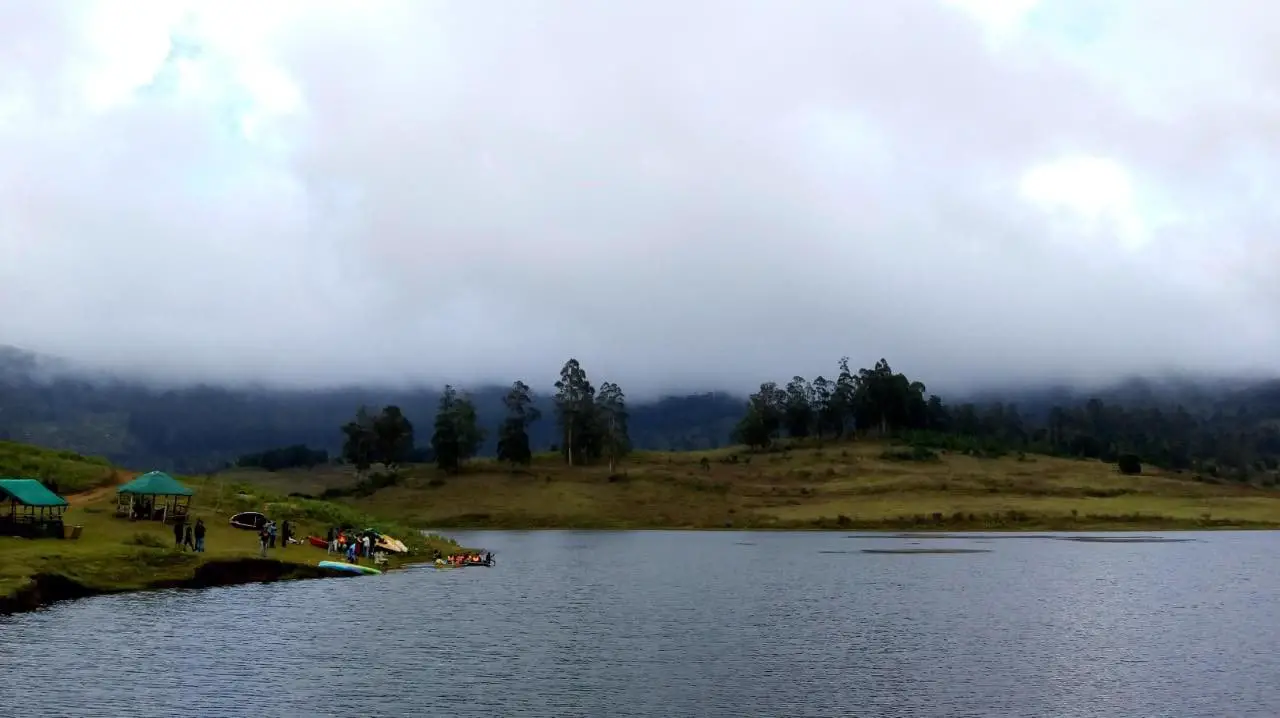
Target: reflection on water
[[667, 624]]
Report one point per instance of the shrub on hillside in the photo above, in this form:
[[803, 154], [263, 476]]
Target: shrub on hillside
[[1129, 464], [913, 453], [142, 538]]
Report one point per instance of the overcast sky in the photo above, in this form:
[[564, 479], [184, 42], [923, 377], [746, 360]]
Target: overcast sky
[[681, 194]]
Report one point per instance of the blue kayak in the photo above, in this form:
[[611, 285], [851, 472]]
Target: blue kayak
[[349, 568]]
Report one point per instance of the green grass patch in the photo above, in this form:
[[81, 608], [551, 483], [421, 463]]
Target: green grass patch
[[72, 472]]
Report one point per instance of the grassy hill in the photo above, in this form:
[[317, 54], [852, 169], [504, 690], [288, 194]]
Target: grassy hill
[[72, 471], [855, 485]]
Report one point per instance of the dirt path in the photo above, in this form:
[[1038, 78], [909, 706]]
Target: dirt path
[[102, 492]]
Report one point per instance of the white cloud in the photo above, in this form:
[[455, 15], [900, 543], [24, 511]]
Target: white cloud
[[1001, 20], [706, 194], [1096, 194]]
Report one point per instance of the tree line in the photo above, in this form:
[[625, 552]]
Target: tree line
[[877, 401], [591, 422], [297, 456]]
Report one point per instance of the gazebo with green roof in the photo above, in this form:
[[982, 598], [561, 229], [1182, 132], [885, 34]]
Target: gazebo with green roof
[[155, 496], [34, 510]]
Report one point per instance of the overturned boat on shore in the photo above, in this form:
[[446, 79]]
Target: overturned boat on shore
[[390, 545], [249, 520], [349, 568]]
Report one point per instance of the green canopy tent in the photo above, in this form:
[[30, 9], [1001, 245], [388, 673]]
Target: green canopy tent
[[34, 510], [155, 496]]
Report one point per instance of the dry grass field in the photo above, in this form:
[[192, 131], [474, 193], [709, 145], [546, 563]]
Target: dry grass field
[[849, 485]]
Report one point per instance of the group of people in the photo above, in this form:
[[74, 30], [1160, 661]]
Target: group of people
[[353, 545], [186, 536], [268, 532], [142, 509], [464, 559]]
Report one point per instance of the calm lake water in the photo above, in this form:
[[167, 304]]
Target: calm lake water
[[668, 624]]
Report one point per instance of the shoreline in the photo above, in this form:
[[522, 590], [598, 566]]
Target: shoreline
[[50, 587], [897, 531], [930, 527]]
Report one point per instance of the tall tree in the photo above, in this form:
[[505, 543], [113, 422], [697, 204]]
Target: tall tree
[[359, 446], [575, 408], [611, 409], [513, 433], [764, 416], [470, 434], [843, 397], [826, 419], [874, 400], [393, 437], [798, 413], [938, 416], [457, 433]]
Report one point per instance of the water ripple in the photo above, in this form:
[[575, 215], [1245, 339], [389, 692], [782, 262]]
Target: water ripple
[[670, 624]]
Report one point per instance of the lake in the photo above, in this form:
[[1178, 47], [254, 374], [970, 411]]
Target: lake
[[668, 624]]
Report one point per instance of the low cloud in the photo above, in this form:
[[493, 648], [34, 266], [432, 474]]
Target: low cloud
[[700, 195]]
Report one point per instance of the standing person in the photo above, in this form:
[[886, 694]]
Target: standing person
[[367, 543], [189, 539], [177, 533], [285, 532], [200, 535], [271, 534], [332, 538], [262, 539], [351, 552]]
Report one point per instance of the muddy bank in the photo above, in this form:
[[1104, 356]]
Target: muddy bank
[[48, 588]]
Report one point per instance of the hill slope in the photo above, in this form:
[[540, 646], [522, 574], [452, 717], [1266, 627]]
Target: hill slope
[[843, 485], [71, 472]]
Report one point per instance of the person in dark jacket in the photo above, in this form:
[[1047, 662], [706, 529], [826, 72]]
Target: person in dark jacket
[[189, 539], [200, 535], [285, 532], [177, 533]]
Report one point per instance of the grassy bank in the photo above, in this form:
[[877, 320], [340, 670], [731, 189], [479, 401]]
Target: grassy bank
[[72, 471], [862, 485], [115, 554]]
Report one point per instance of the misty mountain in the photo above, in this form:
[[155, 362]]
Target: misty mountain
[[202, 427]]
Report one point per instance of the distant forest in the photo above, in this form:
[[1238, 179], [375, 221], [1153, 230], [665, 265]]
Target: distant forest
[[1224, 428], [1235, 435]]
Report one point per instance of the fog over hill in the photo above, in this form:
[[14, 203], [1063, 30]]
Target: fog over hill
[[199, 427], [233, 225]]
